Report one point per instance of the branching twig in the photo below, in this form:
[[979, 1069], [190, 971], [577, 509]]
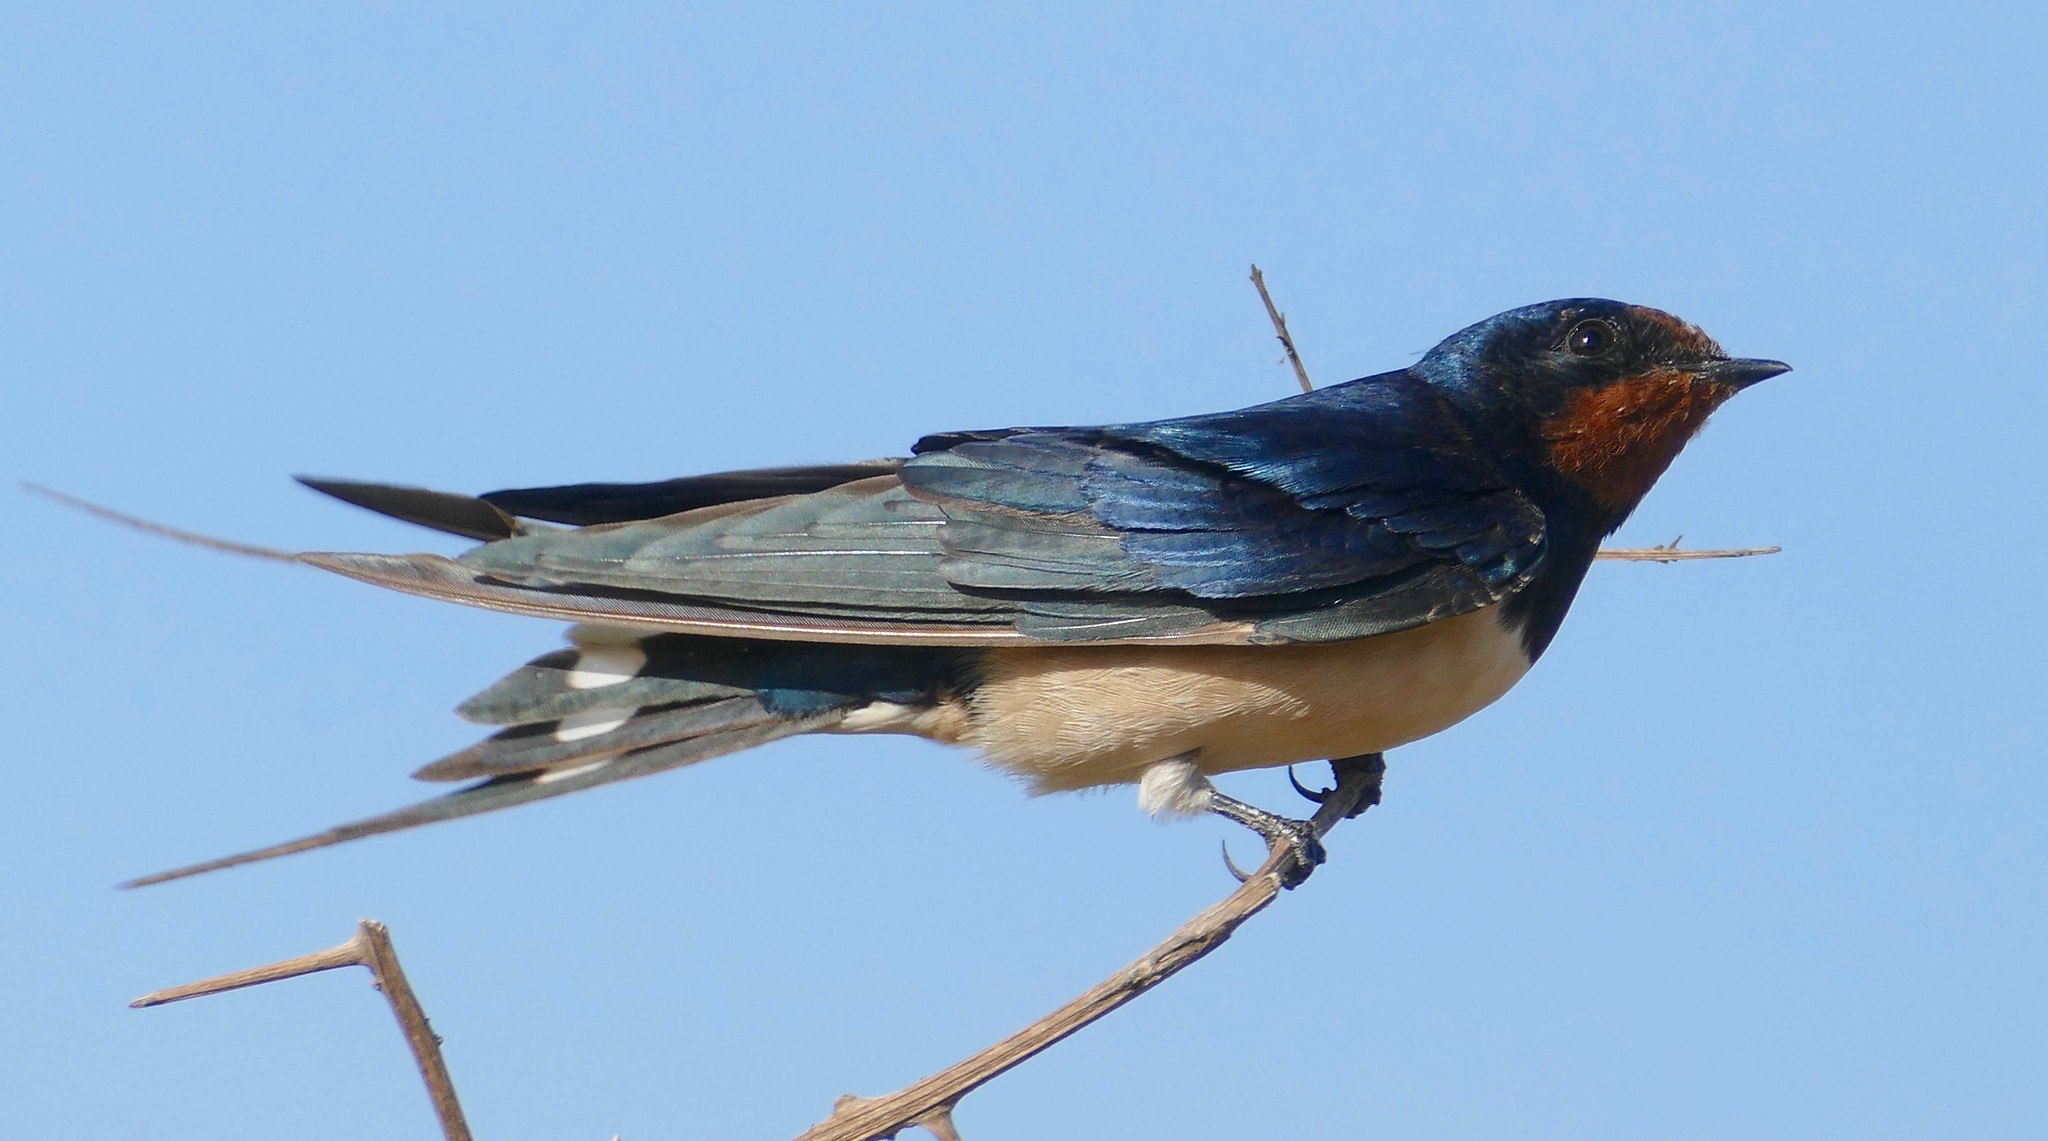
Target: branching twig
[[1665, 554], [930, 1102], [370, 948], [1280, 327]]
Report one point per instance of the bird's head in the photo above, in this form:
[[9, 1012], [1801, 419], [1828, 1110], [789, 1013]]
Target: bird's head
[[1594, 394]]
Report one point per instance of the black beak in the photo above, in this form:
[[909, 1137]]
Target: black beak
[[1740, 372]]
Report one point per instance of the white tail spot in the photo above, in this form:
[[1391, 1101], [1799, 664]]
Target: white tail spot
[[573, 770], [878, 717], [601, 665], [591, 723]]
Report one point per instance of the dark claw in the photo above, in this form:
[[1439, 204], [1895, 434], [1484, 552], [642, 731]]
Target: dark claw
[[1311, 794], [1236, 871], [1299, 836]]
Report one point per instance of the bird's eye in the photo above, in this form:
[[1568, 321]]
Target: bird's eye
[[1590, 338]]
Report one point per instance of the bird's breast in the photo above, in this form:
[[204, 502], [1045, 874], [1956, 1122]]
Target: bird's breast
[[1071, 717]]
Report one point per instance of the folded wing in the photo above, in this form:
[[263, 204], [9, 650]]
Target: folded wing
[[1355, 510]]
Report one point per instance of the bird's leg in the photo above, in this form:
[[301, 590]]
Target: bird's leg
[[1299, 835], [1176, 786]]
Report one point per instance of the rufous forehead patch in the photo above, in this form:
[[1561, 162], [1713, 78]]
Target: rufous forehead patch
[[1688, 336]]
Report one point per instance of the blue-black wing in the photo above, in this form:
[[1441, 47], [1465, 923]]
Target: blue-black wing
[[1355, 510], [1350, 511]]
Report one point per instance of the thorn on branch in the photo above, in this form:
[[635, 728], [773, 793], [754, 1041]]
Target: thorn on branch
[[939, 1123]]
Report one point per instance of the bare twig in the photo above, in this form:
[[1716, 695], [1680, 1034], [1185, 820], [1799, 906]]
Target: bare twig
[[1664, 554], [1280, 328], [1673, 554], [929, 1102], [370, 948]]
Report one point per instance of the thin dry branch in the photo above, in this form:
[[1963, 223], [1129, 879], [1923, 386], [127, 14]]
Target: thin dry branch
[[1674, 554], [1280, 328], [370, 948], [1665, 554], [929, 1102]]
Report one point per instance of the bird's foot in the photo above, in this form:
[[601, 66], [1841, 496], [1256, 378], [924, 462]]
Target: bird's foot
[[1298, 837]]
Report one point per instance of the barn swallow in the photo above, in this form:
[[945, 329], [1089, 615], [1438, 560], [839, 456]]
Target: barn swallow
[[1328, 575]]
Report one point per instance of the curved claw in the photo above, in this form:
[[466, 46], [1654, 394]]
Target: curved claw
[[1240, 874], [1315, 795]]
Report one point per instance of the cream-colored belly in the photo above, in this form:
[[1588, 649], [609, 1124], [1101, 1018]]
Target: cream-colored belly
[[1072, 717]]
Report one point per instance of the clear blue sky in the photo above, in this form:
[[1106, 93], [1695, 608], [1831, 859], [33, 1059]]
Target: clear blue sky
[[1756, 852]]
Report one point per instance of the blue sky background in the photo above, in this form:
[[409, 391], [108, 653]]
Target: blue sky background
[[1756, 852]]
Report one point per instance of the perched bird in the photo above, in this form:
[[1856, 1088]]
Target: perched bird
[[1328, 575]]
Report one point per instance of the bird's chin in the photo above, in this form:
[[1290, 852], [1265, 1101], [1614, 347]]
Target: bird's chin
[[1616, 440]]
